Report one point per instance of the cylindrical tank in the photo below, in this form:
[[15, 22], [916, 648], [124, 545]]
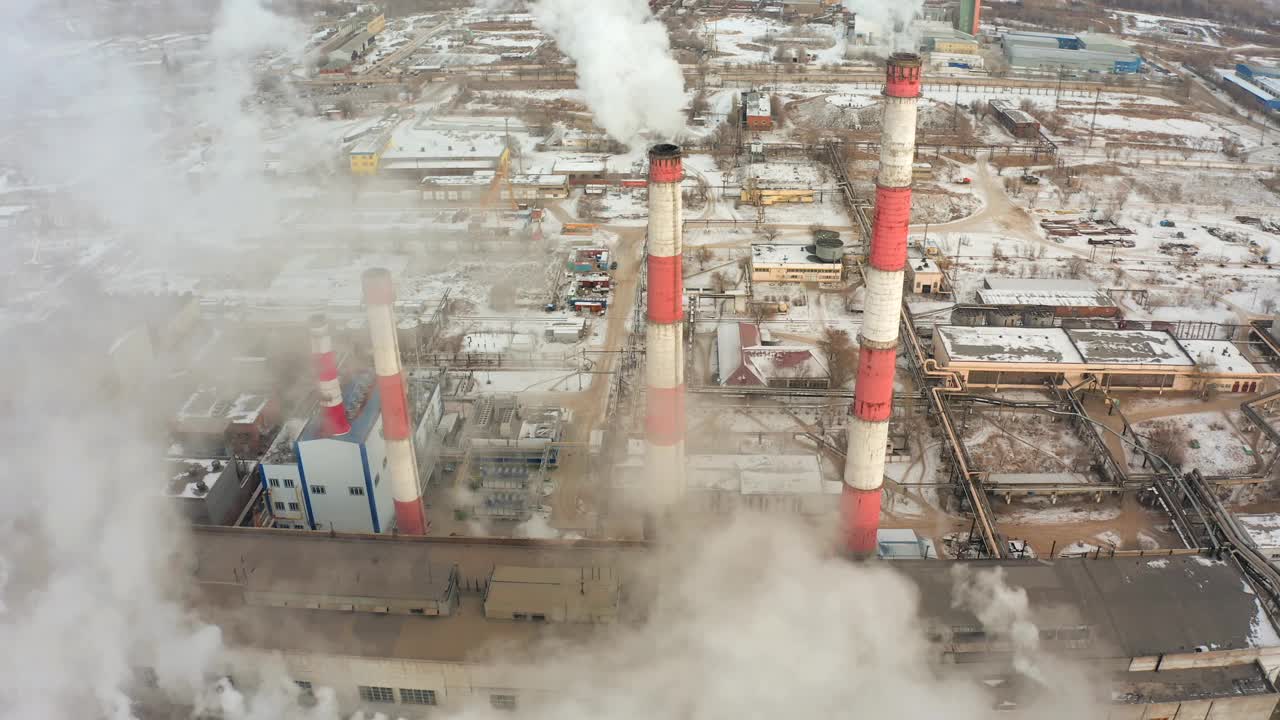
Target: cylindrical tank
[[971, 316], [1004, 318], [829, 249]]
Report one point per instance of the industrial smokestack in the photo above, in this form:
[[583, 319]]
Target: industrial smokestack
[[325, 366], [878, 341], [664, 330], [411, 518]]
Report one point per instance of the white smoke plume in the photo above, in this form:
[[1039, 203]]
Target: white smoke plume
[[626, 72], [1006, 615], [756, 619], [92, 604], [895, 22]]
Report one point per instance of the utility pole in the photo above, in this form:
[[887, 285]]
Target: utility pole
[[1097, 98], [955, 111]]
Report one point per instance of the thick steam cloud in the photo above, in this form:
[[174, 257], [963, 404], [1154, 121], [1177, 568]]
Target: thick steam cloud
[[894, 20], [625, 69]]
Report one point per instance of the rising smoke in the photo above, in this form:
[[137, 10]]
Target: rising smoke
[[895, 23], [753, 620], [756, 620], [626, 72]]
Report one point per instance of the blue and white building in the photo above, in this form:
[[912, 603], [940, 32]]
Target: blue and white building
[[318, 482]]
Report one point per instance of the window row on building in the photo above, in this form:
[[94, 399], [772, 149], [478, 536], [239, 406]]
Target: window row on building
[[414, 696]]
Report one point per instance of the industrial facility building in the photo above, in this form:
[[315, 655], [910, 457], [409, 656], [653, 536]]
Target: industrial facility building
[[724, 483], [744, 359], [313, 480], [1168, 636], [1261, 84], [435, 152], [795, 263], [1083, 53], [1018, 122], [1065, 298], [969, 17], [553, 594], [211, 492], [1033, 357], [215, 423], [757, 110]]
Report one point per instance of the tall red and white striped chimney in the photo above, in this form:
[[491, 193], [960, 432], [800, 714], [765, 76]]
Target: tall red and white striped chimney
[[878, 341], [325, 365], [379, 295], [664, 329]]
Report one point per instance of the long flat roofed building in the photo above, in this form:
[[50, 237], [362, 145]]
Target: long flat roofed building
[[1118, 359], [791, 263], [1171, 634]]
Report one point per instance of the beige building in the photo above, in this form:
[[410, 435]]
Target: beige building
[[1106, 359], [1177, 636], [543, 594], [792, 263]]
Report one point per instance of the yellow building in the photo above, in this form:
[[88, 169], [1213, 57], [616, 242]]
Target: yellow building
[[955, 46], [377, 24], [366, 154]]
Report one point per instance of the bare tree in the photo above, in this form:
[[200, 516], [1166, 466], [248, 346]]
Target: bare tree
[[1077, 267], [703, 255], [840, 354], [770, 232]]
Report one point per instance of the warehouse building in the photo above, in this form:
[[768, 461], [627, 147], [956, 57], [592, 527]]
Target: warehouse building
[[1260, 84], [1018, 122], [1177, 636], [1032, 357], [421, 152], [1084, 53], [792, 263], [1065, 298]]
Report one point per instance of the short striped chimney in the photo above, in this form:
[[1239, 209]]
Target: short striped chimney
[[324, 363], [878, 341], [379, 296], [664, 329]]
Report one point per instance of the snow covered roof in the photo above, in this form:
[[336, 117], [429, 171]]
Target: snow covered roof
[[757, 104], [1038, 284], [1223, 355], [410, 142], [186, 473], [771, 254], [1046, 296], [1008, 345], [1128, 347]]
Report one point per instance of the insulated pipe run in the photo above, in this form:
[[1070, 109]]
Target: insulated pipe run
[[878, 341], [664, 327], [325, 366], [411, 517]]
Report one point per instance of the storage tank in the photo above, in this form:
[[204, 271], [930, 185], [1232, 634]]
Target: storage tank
[[970, 316], [407, 333], [829, 249]]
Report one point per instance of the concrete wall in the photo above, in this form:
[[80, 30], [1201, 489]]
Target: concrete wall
[[458, 684]]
